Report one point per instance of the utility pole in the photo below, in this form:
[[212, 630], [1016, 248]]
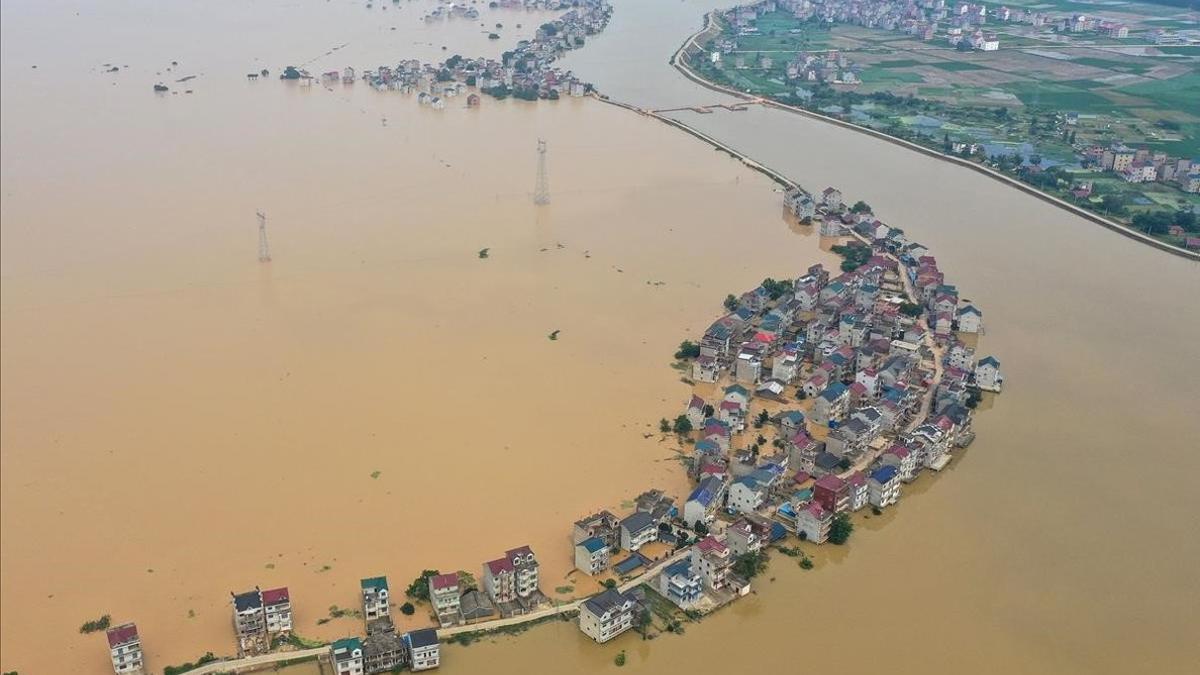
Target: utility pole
[[264, 249], [541, 189]]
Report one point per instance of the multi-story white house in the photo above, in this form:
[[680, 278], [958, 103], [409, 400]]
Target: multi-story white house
[[277, 604], [424, 650], [987, 374], [703, 500], [813, 521], [884, 486], [679, 584], [526, 566], [743, 538], [513, 577], [903, 459], [637, 530], [446, 599], [125, 648], [831, 404], [592, 556], [746, 495], [375, 598], [859, 492], [970, 319], [605, 616], [711, 559], [347, 656]]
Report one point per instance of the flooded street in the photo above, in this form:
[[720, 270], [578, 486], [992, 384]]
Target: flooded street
[[179, 420]]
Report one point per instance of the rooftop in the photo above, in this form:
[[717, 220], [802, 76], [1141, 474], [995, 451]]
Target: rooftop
[[121, 635], [374, 583]]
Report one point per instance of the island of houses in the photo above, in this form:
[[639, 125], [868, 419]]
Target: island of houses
[[527, 71], [813, 398]]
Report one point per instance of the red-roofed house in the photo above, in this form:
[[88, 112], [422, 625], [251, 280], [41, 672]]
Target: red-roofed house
[[859, 494], [711, 559], [125, 647], [832, 493], [445, 597], [903, 459], [277, 604], [813, 523]]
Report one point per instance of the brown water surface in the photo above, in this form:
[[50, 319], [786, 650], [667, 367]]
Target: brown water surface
[[179, 421]]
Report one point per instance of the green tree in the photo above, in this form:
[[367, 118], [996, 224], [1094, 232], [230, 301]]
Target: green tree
[[407, 609], [664, 425], [610, 583], [860, 207], [700, 528], [731, 302], [682, 425], [839, 531], [419, 588], [910, 309], [749, 565], [687, 350]]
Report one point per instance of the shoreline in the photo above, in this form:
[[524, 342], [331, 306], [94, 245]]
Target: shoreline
[[677, 62]]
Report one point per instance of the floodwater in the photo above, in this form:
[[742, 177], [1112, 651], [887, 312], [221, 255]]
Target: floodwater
[[170, 404], [180, 420]]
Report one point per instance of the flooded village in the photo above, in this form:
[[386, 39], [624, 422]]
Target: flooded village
[[815, 398], [527, 71], [817, 401]]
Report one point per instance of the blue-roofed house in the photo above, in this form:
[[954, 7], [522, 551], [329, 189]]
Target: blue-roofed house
[[704, 500], [746, 494], [790, 422], [831, 404], [375, 597], [591, 556], [883, 487], [347, 656], [679, 584], [707, 447], [424, 649], [633, 562]]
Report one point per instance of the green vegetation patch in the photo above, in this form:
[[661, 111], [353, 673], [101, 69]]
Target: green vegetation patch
[[956, 66], [898, 63], [1181, 93], [873, 76]]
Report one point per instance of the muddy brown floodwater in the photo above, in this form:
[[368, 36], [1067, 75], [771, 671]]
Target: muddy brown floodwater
[[178, 421]]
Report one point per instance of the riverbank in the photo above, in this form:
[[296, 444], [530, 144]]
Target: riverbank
[[678, 61]]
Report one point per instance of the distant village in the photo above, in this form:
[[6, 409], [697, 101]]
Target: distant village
[[525, 72], [813, 398], [961, 23], [1140, 165]]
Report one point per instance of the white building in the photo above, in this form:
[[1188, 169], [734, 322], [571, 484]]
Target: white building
[[884, 486], [605, 616], [970, 319], [813, 521], [278, 605], [591, 556], [347, 656], [746, 495], [125, 648], [375, 598], [424, 651], [987, 374]]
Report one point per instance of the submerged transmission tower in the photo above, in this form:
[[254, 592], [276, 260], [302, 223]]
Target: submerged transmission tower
[[264, 249], [541, 189]]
